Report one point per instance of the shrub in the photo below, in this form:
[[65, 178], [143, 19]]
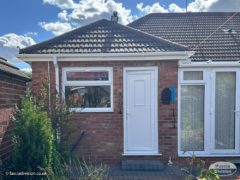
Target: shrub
[[33, 138], [196, 170]]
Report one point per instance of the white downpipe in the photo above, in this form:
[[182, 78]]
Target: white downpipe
[[49, 88], [55, 62]]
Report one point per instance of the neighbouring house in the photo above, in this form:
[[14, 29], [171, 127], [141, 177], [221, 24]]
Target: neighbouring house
[[166, 85], [13, 85]]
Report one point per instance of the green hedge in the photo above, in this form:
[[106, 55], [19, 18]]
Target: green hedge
[[33, 138]]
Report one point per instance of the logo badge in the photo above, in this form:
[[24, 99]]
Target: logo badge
[[224, 168]]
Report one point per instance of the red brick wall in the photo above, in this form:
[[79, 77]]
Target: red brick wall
[[103, 141], [11, 91], [104, 131]]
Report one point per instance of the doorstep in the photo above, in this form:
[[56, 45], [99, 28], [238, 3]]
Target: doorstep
[[142, 165]]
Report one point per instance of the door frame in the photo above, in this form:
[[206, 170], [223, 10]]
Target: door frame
[[212, 111], [154, 69]]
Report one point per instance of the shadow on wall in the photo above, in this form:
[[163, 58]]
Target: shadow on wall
[[6, 129]]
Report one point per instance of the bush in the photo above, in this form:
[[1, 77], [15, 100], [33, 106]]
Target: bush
[[196, 170], [33, 138]]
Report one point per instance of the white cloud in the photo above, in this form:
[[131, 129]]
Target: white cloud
[[175, 8], [201, 5], [226, 6], [154, 8], [91, 10], [194, 6], [63, 15], [87, 11], [14, 40], [63, 4], [56, 28], [208, 6], [75, 14], [9, 44]]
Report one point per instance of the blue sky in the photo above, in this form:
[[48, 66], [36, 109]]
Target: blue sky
[[26, 22], [25, 15]]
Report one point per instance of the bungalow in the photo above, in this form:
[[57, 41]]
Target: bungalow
[[121, 80]]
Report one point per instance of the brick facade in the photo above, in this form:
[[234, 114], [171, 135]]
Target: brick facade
[[11, 91], [103, 141]]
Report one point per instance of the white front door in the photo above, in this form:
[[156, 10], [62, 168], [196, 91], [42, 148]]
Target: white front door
[[140, 111]]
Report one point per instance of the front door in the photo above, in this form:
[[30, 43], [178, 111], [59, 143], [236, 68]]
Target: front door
[[140, 111]]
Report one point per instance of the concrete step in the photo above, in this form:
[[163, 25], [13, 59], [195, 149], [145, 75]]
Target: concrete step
[[143, 165]]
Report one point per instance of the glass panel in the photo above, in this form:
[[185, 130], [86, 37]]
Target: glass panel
[[224, 110], [192, 117], [88, 96], [192, 75], [88, 76]]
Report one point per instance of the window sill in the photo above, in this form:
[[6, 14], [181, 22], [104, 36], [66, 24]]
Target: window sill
[[209, 155], [142, 154], [86, 110]]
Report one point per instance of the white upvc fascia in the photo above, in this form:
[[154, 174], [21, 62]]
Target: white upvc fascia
[[179, 55], [192, 64]]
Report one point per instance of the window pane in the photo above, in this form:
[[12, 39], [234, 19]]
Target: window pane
[[192, 75], [88, 96], [88, 76], [224, 110], [192, 117]]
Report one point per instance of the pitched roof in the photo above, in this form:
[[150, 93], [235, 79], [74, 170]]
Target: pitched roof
[[190, 29], [9, 69], [103, 36]]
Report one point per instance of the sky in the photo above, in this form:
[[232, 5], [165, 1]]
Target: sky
[[27, 22]]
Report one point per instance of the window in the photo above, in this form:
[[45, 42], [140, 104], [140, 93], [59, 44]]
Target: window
[[209, 111], [192, 75], [88, 89], [192, 117], [192, 111]]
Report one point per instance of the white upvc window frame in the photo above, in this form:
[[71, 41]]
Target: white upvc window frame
[[209, 111], [108, 82], [237, 108], [182, 82]]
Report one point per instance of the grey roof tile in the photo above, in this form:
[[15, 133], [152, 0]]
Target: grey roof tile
[[104, 37], [7, 68], [190, 29]]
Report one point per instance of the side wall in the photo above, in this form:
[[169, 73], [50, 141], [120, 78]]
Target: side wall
[[11, 91], [103, 141]]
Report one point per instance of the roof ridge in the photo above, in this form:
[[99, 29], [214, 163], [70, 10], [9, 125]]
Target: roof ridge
[[105, 23], [175, 13], [51, 40], [5, 62]]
